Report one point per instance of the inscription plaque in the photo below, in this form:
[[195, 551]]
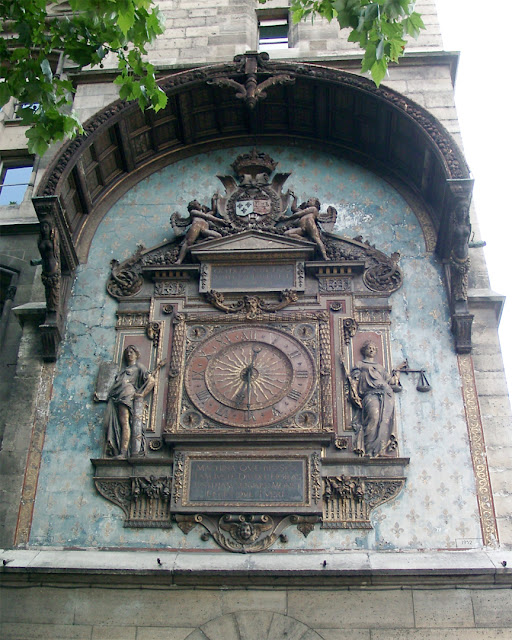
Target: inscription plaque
[[253, 277], [250, 481], [247, 481]]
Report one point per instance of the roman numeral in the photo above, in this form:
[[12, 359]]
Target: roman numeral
[[302, 374], [203, 395], [294, 395], [275, 412], [294, 354]]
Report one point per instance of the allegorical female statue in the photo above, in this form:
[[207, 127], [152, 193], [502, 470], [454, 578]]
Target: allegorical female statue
[[123, 417], [371, 391], [48, 245]]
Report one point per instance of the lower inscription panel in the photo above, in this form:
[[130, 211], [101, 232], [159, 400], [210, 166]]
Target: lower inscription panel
[[217, 481], [247, 481]]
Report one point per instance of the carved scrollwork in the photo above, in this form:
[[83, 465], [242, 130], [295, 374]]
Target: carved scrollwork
[[349, 329], [242, 533], [381, 272], [125, 278], [153, 332], [385, 275], [115, 490]]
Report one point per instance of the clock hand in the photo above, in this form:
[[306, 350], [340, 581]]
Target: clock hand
[[250, 369]]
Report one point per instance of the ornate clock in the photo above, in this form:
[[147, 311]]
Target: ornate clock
[[250, 376]]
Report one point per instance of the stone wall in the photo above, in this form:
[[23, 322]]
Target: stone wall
[[154, 612]]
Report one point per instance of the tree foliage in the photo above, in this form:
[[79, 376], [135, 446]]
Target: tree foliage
[[380, 27], [36, 33]]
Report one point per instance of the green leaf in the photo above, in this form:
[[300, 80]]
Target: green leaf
[[47, 70], [378, 71], [5, 93], [126, 20], [379, 52]]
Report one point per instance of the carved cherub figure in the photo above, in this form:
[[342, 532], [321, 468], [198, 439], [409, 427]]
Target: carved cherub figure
[[305, 219], [200, 219]]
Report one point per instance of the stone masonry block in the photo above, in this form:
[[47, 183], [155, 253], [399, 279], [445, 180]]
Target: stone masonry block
[[502, 503], [192, 32], [435, 84], [159, 633], [396, 85], [443, 113], [286, 627], [222, 628], [202, 12], [451, 608], [24, 631], [346, 634], [190, 22], [441, 634], [254, 625], [502, 481], [149, 608], [439, 99], [418, 73], [39, 605], [361, 609], [505, 531], [497, 431], [105, 632], [417, 97], [487, 363], [175, 33], [499, 457], [492, 607], [245, 600], [495, 406]]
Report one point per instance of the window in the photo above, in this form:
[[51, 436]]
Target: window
[[273, 33], [14, 180]]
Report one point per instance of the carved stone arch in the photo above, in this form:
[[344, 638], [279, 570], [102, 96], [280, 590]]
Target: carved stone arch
[[323, 107], [289, 103], [253, 625]]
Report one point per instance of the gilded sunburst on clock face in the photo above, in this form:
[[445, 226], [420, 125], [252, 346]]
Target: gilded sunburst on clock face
[[250, 377]]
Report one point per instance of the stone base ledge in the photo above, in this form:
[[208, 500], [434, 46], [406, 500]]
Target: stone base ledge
[[189, 568]]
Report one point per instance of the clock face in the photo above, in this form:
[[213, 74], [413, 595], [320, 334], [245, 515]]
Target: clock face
[[250, 377]]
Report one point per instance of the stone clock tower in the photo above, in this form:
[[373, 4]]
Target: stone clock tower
[[257, 391]]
